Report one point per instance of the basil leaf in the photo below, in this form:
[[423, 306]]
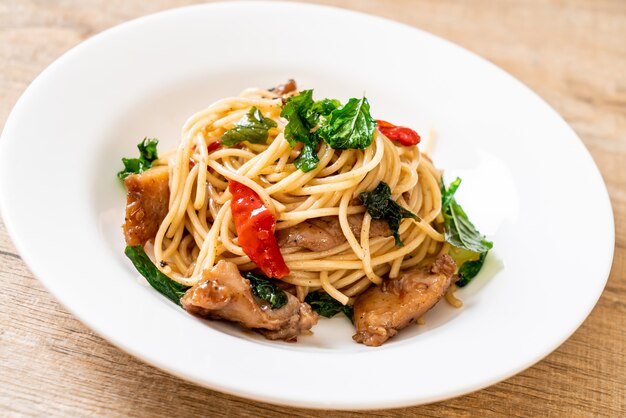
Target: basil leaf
[[448, 195], [131, 166], [300, 121], [380, 205], [459, 231], [350, 126], [147, 154], [325, 305], [303, 114], [323, 108], [265, 290], [148, 149], [308, 159], [253, 127], [470, 269], [163, 284]]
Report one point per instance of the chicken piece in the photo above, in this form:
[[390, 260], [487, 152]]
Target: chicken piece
[[316, 235], [378, 227], [383, 310], [321, 234], [147, 204], [284, 89], [224, 294]]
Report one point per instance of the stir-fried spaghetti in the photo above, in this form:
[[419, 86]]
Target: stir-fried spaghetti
[[198, 229]]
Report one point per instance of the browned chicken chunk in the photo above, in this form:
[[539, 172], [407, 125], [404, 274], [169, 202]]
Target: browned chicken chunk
[[321, 234], [224, 294], [283, 89], [147, 203], [383, 310]]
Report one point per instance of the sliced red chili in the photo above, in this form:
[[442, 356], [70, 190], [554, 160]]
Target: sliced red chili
[[213, 146], [255, 226], [405, 136]]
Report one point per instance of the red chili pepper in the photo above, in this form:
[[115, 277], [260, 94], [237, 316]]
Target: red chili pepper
[[213, 146], [255, 226], [405, 136]]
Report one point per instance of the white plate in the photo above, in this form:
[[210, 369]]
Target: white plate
[[528, 183]]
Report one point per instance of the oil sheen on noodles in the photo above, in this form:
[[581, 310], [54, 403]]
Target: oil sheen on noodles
[[198, 230]]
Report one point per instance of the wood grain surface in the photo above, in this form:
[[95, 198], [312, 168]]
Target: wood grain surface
[[572, 53]]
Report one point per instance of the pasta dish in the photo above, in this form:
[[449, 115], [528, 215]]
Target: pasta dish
[[276, 208]]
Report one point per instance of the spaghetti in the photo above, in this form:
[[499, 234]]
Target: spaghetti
[[198, 229]]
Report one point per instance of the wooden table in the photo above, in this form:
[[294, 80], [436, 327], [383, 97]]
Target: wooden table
[[572, 53]]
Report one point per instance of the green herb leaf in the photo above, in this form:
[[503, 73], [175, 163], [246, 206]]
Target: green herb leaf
[[302, 115], [308, 159], [459, 231], [470, 246], [148, 149], [325, 305], [470, 269], [297, 111], [166, 286], [350, 126], [448, 195], [380, 205], [253, 127], [147, 154], [322, 108], [265, 290]]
